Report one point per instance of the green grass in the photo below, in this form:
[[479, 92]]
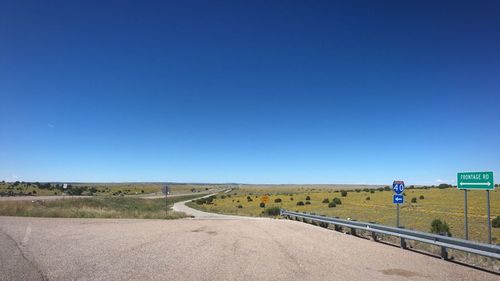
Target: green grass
[[445, 204], [95, 207]]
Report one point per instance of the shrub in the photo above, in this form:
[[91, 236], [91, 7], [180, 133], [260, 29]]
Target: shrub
[[414, 200], [372, 191], [308, 202], [367, 198], [250, 200], [343, 193], [223, 197], [240, 206], [273, 211], [358, 190], [421, 197], [291, 198], [496, 222], [439, 227], [262, 205], [300, 203], [326, 200], [387, 188], [308, 198], [277, 200], [332, 205], [337, 201]]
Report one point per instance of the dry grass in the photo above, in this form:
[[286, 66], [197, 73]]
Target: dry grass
[[444, 204], [96, 207]]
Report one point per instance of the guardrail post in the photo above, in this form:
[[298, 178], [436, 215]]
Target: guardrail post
[[374, 236], [402, 241], [444, 251], [337, 228], [353, 231]]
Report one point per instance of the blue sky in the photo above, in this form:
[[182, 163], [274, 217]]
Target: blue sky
[[249, 91]]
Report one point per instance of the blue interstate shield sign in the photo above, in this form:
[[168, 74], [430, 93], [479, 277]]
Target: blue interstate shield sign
[[398, 186]]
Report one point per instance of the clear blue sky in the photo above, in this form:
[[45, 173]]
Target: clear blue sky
[[249, 91]]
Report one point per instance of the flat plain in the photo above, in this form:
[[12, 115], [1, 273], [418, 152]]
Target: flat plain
[[370, 205]]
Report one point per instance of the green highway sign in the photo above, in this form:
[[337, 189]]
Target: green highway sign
[[475, 180]]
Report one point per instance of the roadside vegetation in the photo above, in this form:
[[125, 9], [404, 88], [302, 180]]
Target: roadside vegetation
[[422, 206], [94, 207], [21, 188]]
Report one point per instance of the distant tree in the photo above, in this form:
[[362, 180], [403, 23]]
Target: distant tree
[[421, 197], [308, 202], [262, 205], [444, 185], [496, 222], [308, 198], [277, 200], [414, 200], [332, 205], [326, 200], [337, 201], [387, 188], [343, 193], [439, 227], [300, 203], [367, 198]]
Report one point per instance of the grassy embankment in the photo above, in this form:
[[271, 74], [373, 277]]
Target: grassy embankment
[[95, 207], [375, 206]]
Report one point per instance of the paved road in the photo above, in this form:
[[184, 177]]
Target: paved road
[[181, 207], [205, 249]]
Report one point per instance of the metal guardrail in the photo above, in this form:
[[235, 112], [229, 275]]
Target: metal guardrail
[[487, 250]]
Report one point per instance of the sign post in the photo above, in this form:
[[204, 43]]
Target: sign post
[[476, 181], [166, 191], [398, 198]]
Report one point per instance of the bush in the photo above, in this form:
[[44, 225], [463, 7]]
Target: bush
[[343, 193], [337, 201], [300, 203], [421, 197], [308, 202], [372, 191], [326, 200], [273, 211], [414, 200], [262, 205], [332, 205], [367, 198], [291, 198], [387, 188], [240, 206], [308, 198], [439, 227], [496, 222], [277, 200]]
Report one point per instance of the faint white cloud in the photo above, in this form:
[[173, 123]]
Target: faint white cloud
[[50, 125], [14, 177], [442, 181]]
